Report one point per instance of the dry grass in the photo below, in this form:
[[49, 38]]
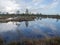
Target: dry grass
[[53, 41]]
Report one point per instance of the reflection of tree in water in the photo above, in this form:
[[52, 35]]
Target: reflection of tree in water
[[37, 18], [57, 20], [18, 24], [26, 23], [19, 32], [46, 18], [40, 18]]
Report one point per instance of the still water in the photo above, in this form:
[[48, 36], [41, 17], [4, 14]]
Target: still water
[[38, 28]]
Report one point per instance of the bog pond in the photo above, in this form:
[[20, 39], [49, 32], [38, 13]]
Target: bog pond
[[35, 29]]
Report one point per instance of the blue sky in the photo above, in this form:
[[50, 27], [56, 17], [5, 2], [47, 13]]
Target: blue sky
[[34, 6]]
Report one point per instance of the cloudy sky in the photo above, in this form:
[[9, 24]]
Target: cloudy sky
[[35, 6]]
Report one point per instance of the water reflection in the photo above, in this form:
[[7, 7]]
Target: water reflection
[[26, 23], [38, 19], [38, 28], [7, 26]]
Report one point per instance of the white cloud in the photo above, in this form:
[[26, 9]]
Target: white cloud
[[52, 5], [39, 4], [8, 5], [12, 5], [36, 2]]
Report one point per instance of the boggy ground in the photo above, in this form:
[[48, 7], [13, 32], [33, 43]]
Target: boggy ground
[[51, 41]]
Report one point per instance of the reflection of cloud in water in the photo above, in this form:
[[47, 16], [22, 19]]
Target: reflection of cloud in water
[[7, 26], [39, 31], [51, 26], [35, 28], [40, 26], [45, 24], [48, 24]]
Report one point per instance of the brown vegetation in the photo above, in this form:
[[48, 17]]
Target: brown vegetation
[[53, 41]]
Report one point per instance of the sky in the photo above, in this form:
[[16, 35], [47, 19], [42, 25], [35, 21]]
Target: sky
[[34, 6]]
